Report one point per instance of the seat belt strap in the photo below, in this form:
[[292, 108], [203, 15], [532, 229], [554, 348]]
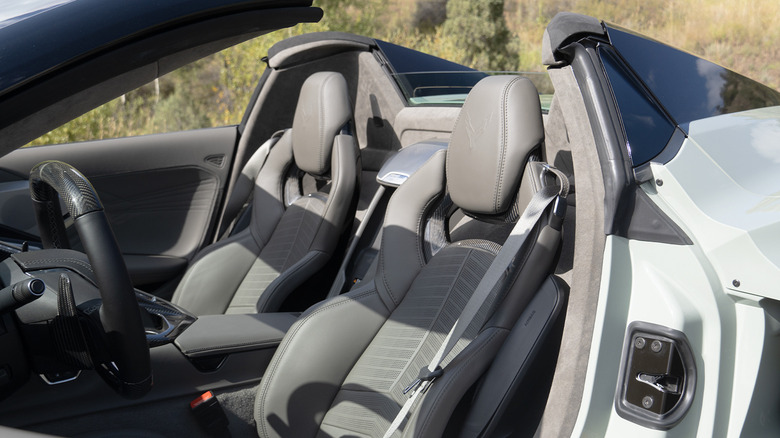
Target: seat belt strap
[[497, 270], [256, 161], [251, 170], [341, 277]]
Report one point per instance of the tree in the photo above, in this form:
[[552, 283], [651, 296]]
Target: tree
[[478, 29]]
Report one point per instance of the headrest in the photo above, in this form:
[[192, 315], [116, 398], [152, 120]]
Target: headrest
[[498, 127], [323, 109]]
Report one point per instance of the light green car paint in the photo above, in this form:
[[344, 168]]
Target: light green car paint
[[723, 189]]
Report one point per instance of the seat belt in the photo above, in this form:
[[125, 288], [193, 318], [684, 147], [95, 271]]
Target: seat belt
[[251, 170], [341, 277], [501, 264]]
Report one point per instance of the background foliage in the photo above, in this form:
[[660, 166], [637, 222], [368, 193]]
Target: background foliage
[[485, 34]]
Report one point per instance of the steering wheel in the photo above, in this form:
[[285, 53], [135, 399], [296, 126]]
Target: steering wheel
[[129, 371]]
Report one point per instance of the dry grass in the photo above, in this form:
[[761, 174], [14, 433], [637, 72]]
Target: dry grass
[[743, 35], [740, 34]]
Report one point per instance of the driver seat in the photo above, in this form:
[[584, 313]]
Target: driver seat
[[342, 368], [302, 201]]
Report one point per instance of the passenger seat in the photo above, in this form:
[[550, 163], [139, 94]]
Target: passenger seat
[[302, 201]]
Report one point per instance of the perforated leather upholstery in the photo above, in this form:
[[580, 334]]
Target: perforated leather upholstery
[[287, 240], [342, 368]]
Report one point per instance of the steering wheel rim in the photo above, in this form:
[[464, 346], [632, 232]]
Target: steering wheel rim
[[130, 372]]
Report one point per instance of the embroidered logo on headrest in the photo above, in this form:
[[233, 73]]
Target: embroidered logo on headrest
[[475, 132], [307, 112]]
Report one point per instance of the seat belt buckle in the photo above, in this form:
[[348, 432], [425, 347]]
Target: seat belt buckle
[[209, 413]]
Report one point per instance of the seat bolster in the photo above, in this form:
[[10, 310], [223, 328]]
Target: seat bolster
[[345, 168], [536, 265], [441, 398], [214, 276], [268, 195], [244, 184], [312, 361], [274, 295], [401, 256]]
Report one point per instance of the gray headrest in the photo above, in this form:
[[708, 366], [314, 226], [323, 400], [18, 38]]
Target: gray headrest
[[499, 125], [323, 109]]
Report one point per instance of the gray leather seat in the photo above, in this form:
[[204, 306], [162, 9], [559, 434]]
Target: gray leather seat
[[341, 369], [302, 200]]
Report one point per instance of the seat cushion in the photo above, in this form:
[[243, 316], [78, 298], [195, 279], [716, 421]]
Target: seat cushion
[[289, 243]]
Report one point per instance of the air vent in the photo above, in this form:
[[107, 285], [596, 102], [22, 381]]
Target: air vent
[[216, 160]]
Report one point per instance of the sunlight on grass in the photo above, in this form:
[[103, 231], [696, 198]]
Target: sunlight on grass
[[742, 35]]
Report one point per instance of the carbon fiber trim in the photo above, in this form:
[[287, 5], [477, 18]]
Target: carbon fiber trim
[[436, 235], [75, 190]]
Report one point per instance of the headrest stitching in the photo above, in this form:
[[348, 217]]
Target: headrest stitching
[[320, 104], [503, 146]]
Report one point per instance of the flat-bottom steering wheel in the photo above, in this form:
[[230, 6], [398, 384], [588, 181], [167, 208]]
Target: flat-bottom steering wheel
[[129, 372]]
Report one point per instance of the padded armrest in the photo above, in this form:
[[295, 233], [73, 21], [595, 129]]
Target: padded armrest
[[149, 269], [224, 334]]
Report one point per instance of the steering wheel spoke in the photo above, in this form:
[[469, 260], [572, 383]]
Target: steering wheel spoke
[[129, 372]]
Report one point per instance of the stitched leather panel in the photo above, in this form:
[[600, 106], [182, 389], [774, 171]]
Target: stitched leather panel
[[290, 241], [372, 393], [499, 125], [323, 108], [296, 390]]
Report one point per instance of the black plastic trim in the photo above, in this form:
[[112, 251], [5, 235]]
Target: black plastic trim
[[567, 27], [672, 147], [608, 134], [650, 224], [677, 413], [627, 211], [642, 173]]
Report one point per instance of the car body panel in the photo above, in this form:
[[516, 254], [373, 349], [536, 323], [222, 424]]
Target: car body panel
[[716, 179], [728, 171], [719, 189], [662, 284]]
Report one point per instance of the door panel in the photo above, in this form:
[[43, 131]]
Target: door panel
[[160, 192]]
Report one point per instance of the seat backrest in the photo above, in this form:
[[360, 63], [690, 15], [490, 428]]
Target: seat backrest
[[302, 200], [366, 346]]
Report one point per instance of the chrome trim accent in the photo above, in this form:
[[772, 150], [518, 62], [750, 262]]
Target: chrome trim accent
[[48, 382]]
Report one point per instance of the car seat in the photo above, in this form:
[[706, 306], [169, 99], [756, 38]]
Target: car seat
[[302, 201]]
